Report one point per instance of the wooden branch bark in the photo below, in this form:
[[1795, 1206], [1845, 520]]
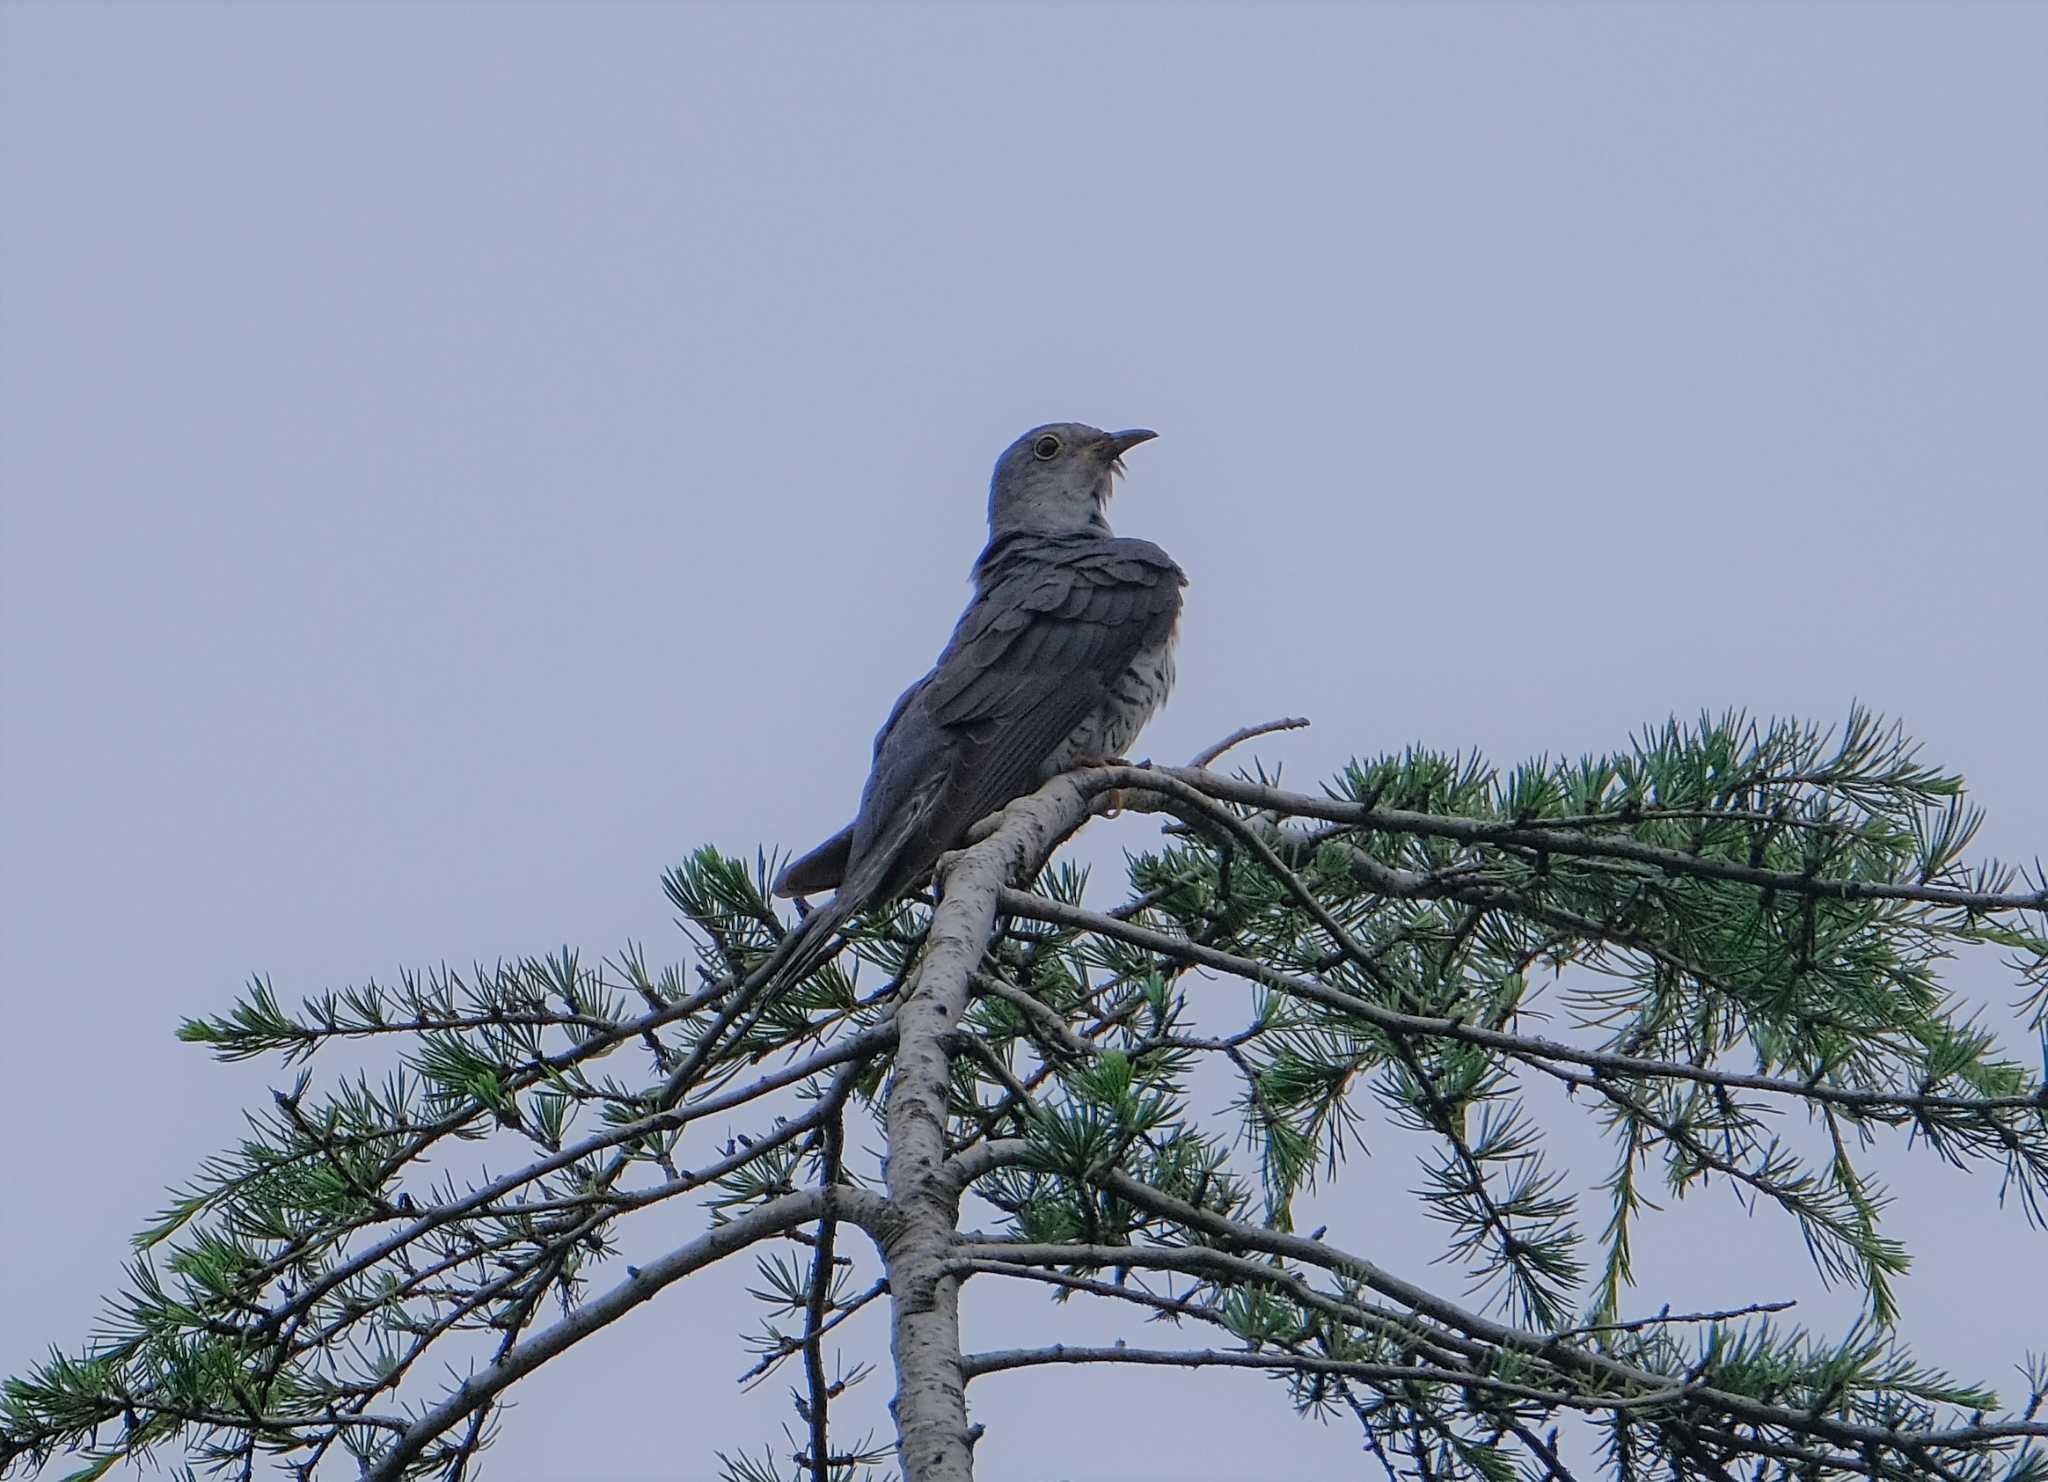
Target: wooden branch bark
[[593, 1316], [1553, 838], [934, 1441]]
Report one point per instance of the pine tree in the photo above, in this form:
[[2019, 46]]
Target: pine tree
[[1723, 944]]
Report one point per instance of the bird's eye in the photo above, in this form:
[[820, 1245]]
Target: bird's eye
[[1046, 446]]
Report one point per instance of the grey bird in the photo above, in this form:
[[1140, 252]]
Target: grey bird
[[1064, 652]]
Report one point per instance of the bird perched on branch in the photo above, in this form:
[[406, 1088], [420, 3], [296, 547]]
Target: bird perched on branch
[[1063, 654]]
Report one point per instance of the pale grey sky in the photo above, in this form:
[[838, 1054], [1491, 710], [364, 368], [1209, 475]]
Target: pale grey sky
[[458, 458]]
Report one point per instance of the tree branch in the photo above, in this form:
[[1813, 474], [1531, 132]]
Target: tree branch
[[974, 1366], [1058, 913], [1550, 839], [933, 1440], [832, 1116], [1208, 754], [641, 1284], [1546, 1346]]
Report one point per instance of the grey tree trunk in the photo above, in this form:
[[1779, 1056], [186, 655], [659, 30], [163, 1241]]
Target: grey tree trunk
[[935, 1442]]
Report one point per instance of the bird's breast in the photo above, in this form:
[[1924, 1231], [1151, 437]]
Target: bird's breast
[[1133, 698]]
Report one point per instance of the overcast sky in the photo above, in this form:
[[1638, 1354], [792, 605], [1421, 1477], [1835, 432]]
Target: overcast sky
[[457, 459]]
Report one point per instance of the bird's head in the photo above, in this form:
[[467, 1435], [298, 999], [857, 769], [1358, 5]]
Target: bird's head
[[1057, 478]]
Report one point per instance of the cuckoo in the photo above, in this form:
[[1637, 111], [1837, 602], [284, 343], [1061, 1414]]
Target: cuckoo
[[1064, 652]]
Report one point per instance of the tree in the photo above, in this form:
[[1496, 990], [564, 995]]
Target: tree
[[1726, 922]]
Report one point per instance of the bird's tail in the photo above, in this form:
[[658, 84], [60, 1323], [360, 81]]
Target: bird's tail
[[812, 943], [885, 867]]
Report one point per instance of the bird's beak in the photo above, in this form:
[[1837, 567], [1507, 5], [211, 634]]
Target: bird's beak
[[1120, 443]]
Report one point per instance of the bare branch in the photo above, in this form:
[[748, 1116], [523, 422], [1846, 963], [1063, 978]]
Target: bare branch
[[1208, 754], [1636, 1325], [831, 1119], [640, 1284], [978, 1364]]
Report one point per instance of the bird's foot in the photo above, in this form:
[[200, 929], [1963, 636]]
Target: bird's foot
[[1115, 803]]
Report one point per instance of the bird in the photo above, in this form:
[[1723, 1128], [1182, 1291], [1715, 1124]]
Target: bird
[[1065, 651]]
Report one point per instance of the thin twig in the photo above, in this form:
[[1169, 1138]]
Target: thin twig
[[1208, 754], [1667, 1316]]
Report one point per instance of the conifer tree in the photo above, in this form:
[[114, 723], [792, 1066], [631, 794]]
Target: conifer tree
[[1723, 942]]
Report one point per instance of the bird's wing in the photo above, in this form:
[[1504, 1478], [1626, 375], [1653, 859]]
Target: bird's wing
[[1032, 658], [1082, 615]]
